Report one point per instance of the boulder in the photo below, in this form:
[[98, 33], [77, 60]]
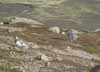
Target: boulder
[[25, 20], [42, 56], [55, 29], [1, 23], [96, 30]]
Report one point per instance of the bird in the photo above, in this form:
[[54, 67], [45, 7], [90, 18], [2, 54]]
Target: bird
[[19, 42], [72, 35]]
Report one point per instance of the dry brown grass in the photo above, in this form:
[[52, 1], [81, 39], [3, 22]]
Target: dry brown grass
[[77, 65], [90, 42]]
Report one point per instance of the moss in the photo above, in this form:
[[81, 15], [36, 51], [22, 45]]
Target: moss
[[77, 65], [7, 68], [4, 54], [87, 49], [90, 42], [19, 25], [57, 70]]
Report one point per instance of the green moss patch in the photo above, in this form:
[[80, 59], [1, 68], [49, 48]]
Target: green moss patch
[[6, 68]]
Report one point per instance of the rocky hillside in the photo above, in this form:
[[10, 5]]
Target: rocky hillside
[[45, 50], [79, 14]]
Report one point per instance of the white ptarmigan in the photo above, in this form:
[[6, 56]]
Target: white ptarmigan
[[19, 42]]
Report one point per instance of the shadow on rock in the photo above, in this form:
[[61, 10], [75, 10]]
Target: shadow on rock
[[96, 69]]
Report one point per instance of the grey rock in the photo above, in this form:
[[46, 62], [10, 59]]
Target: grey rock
[[1, 23], [96, 30], [33, 45], [55, 29], [63, 33], [25, 20], [42, 56]]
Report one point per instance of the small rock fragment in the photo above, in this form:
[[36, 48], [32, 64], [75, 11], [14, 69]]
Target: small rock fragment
[[63, 33], [44, 58], [1, 23], [55, 29]]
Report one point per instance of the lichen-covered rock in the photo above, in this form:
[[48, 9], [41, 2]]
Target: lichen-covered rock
[[96, 30], [25, 20], [44, 58], [55, 29], [33, 45]]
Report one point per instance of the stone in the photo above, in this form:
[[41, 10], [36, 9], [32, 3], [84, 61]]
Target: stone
[[96, 30], [59, 58], [1, 23], [25, 20], [35, 46], [42, 56], [63, 33], [55, 29]]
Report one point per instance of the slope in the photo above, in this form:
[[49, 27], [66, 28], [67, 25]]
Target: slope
[[77, 14]]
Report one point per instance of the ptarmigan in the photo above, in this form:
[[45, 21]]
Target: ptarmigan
[[19, 42]]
